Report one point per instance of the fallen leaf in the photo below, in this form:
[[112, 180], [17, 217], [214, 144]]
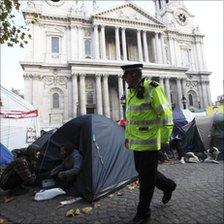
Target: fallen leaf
[[69, 213], [131, 187], [86, 210], [73, 212], [77, 212], [8, 199], [119, 194]]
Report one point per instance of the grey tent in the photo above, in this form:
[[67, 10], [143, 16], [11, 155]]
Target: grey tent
[[217, 135], [107, 163], [203, 133]]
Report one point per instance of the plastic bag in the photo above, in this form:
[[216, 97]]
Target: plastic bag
[[48, 194]]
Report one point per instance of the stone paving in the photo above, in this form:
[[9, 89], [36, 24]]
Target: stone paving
[[198, 199]]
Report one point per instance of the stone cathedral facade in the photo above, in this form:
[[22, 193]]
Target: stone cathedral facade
[[72, 65]]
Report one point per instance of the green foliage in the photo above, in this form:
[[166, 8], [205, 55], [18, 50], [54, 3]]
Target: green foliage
[[11, 33]]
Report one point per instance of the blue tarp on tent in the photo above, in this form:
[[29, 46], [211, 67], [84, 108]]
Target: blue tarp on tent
[[5, 155]]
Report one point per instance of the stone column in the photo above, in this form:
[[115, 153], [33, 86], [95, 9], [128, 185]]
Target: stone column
[[28, 87], [145, 46], [177, 53], [154, 49], [158, 49], [205, 97], [36, 93], [80, 42], [167, 89], [74, 44], [120, 94], [195, 57], [96, 42], [99, 103], [103, 45], [179, 93], [74, 94], [163, 49], [208, 93], [198, 55], [202, 56], [201, 94], [161, 82], [139, 41], [124, 47], [82, 93], [171, 46], [106, 99], [184, 88], [174, 52], [117, 39]]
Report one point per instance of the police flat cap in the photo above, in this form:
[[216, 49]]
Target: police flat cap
[[133, 67]]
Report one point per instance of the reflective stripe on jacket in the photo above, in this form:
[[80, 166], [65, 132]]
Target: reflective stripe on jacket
[[150, 120]]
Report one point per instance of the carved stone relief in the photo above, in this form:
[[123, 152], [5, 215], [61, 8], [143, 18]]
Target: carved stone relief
[[192, 84], [55, 80]]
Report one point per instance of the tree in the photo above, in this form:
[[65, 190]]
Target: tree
[[11, 33]]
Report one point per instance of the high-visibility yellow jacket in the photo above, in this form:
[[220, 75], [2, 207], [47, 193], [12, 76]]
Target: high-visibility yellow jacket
[[150, 120]]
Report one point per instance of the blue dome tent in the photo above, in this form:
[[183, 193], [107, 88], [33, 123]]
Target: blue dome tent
[[107, 164]]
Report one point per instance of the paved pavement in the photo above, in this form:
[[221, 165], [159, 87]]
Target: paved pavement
[[198, 199]]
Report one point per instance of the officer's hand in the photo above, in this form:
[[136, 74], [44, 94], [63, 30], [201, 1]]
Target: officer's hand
[[126, 143]]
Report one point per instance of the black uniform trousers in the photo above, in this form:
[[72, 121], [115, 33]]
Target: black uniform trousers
[[146, 165]]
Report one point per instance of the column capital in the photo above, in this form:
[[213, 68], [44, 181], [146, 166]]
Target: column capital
[[28, 76], [120, 75], [98, 75], [82, 75], [105, 75], [74, 74]]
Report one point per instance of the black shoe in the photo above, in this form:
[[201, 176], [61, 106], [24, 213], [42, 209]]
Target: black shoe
[[140, 219], [168, 194]]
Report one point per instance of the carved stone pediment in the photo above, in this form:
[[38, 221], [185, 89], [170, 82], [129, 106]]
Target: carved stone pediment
[[129, 12]]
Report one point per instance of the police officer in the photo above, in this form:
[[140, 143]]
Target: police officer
[[149, 126]]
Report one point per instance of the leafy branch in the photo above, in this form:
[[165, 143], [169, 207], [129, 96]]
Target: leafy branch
[[11, 33]]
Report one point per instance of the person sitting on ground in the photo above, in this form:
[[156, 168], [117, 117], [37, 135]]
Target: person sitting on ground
[[65, 174], [20, 173]]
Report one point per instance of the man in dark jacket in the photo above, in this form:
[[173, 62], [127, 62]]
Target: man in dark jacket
[[66, 173]]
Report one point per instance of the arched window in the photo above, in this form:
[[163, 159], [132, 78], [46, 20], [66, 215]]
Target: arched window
[[55, 100], [190, 98], [88, 48]]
